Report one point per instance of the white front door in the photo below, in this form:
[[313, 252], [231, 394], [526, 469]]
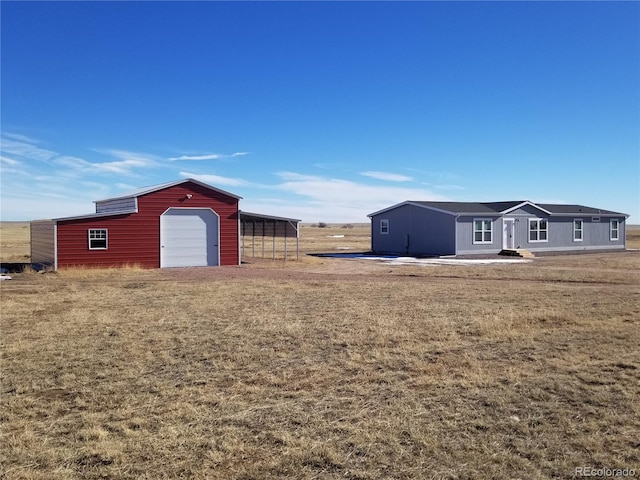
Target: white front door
[[189, 238], [508, 240]]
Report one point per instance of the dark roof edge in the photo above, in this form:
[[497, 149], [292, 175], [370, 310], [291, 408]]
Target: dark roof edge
[[268, 217], [546, 208], [95, 215]]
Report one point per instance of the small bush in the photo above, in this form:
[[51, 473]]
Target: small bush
[[322, 225], [347, 225]]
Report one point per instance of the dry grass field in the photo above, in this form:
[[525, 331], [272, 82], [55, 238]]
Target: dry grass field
[[14, 242], [322, 368]]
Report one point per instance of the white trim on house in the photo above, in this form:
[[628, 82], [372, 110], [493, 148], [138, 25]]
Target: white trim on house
[[578, 230], [587, 214], [97, 236], [94, 215], [182, 255], [616, 230], [482, 231], [508, 233], [580, 249], [525, 203], [538, 230]]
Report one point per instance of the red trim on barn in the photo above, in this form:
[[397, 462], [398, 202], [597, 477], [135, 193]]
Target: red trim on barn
[[134, 238]]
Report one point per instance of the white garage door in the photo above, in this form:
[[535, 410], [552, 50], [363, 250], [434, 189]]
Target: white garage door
[[189, 238]]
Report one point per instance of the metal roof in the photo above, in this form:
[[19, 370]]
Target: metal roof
[[561, 209], [501, 208], [95, 215], [154, 188], [471, 207], [258, 217], [268, 225]]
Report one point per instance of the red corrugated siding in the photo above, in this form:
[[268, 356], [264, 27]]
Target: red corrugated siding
[[135, 238]]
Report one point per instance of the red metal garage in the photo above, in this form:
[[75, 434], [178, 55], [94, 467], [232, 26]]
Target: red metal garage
[[183, 223]]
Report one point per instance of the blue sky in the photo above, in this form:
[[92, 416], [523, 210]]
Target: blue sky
[[323, 111]]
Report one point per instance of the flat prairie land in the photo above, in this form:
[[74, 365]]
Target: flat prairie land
[[323, 369], [14, 242]]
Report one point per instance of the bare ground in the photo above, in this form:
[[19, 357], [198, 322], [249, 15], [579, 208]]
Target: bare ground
[[323, 369]]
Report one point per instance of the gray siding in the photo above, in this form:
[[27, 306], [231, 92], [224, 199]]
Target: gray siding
[[596, 235], [464, 234], [414, 231], [43, 244], [117, 205]]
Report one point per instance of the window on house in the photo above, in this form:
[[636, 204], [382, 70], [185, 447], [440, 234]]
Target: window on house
[[384, 226], [538, 230], [614, 229], [97, 239], [577, 230], [482, 231]]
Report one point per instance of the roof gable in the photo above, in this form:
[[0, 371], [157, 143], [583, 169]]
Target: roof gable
[[154, 188], [501, 208], [524, 204], [457, 208]]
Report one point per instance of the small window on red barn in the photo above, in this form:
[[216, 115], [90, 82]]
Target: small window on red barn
[[97, 239]]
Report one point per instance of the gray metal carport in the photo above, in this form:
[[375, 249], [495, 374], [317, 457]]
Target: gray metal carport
[[280, 230]]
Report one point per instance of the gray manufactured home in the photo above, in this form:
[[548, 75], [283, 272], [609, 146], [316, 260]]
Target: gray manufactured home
[[468, 228]]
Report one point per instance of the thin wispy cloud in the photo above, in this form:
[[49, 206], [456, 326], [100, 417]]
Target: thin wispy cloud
[[125, 166], [41, 183], [8, 161], [18, 137], [209, 156], [215, 179], [390, 177], [445, 186], [24, 147], [317, 197], [436, 176], [10, 166]]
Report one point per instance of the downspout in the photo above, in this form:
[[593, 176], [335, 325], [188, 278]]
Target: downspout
[[239, 234], [55, 246], [295, 227]]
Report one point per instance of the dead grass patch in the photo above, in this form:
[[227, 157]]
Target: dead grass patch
[[14, 242], [322, 369], [290, 372]]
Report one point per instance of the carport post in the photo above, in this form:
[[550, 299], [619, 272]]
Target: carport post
[[253, 239], [263, 222], [275, 225], [244, 232], [285, 242]]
